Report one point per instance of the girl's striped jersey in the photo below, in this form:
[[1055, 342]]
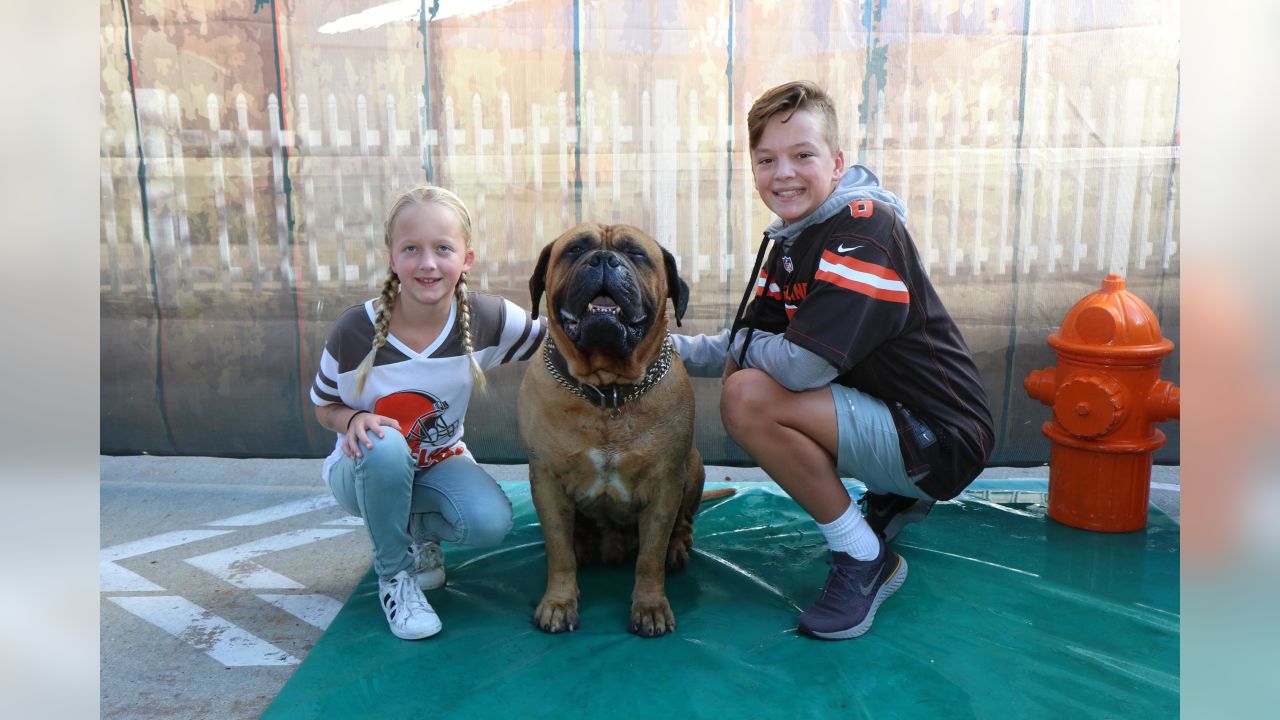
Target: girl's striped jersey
[[427, 392]]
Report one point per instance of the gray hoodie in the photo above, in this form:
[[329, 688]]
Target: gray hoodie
[[857, 183], [791, 365]]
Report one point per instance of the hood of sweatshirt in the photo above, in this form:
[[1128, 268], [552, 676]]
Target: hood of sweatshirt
[[857, 183]]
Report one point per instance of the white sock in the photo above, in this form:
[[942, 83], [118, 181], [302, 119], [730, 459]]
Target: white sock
[[851, 534]]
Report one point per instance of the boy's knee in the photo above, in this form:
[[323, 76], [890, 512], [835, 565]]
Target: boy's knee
[[745, 399]]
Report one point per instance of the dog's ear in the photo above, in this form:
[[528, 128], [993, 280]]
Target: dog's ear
[[676, 287], [538, 280]]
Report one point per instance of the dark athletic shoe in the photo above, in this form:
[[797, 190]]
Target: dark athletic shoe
[[887, 514], [854, 590]]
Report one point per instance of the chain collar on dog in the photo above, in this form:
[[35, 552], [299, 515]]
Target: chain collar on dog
[[608, 397]]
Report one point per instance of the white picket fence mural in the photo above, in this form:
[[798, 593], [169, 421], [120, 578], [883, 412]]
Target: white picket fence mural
[[1098, 193]]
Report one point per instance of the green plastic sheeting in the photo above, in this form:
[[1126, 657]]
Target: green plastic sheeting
[[1004, 614]]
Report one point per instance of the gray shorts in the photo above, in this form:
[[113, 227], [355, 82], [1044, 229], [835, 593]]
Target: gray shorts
[[869, 449]]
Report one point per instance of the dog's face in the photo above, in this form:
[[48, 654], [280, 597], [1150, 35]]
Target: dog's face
[[607, 288]]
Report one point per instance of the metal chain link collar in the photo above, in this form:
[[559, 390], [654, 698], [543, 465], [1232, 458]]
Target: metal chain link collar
[[611, 399]]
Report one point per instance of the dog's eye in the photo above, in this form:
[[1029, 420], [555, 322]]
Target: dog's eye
[[574, 249]]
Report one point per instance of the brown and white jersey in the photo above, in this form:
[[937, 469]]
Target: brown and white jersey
[[851, 289], [427, 392]]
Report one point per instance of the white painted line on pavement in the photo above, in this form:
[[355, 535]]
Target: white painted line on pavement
[[317, 610], [277, 512], [235, 564], [1166, 486], [113, 578], [221, 640], [151, 544]]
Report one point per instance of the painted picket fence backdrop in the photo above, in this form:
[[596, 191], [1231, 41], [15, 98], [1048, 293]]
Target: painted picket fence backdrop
[[229, 246], [1063, 186]]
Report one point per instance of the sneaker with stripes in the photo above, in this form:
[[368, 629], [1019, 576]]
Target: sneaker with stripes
[[408, 612]]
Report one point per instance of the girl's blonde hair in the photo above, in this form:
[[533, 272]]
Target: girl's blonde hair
[[391, 285]]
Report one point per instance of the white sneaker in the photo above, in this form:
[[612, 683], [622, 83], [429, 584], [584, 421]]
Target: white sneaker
[[408, 612], [428, 564]]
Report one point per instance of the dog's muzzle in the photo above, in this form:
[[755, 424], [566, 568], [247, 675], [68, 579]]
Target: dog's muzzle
[[604, 308]]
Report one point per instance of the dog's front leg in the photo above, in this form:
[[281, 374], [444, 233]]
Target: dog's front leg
[[558, 610], [651, 614]]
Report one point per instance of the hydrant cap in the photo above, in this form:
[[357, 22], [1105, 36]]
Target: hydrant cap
[[1114, 318]]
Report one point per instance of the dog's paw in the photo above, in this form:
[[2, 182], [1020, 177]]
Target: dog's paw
[[556, 616], [678, 550], [652, 619]]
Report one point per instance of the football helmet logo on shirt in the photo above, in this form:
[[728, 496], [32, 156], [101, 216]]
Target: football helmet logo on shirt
[[420, 414]]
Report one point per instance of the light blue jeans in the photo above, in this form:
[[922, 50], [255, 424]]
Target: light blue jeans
[[452, 501]]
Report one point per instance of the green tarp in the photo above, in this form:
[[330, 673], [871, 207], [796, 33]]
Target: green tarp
[[1004, 614]]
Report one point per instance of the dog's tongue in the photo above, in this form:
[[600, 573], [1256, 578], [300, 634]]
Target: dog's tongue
[[604, 301]]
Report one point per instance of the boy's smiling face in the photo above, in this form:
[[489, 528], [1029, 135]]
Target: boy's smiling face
[[793, 166]]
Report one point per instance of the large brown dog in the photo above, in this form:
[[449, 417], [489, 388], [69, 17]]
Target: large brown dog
[[606, 415]]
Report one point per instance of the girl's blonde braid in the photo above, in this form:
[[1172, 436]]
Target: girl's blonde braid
[[381, 326], [464, 314]]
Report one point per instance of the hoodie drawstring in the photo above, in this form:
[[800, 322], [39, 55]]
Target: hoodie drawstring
[[742, 306]]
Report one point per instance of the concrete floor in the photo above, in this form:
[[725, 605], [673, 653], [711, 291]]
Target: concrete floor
[[219, 575]]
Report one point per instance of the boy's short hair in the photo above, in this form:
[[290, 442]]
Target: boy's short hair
[[789, 98]]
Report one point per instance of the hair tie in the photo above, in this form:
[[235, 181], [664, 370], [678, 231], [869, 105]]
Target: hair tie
[[353, 417]]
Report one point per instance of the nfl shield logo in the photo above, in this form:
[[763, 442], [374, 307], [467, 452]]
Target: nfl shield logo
[[787, 264]]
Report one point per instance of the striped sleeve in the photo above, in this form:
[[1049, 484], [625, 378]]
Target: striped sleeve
[[874, 281], [521, 335], [857, 301], [348, 341], [324, 389]]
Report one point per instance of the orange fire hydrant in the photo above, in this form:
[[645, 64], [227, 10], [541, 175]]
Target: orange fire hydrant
[[1107, 397]]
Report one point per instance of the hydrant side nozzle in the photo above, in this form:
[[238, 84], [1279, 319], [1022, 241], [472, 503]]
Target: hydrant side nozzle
[[1040, 385], [1165, 401]]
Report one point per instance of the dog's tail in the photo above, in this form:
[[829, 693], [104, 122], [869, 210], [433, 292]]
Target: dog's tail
[[718, 493]]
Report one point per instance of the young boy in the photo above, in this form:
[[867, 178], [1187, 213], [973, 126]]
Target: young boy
[[845, 364]]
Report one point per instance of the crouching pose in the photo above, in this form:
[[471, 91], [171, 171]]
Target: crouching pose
[[845, 363], [394, 382]]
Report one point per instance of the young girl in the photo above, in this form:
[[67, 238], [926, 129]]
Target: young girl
[[394, 382]]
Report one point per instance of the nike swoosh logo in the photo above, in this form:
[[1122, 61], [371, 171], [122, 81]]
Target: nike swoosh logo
[[842, 248], [866, 589]]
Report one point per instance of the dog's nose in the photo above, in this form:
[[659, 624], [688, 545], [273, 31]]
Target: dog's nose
[[604, 256]]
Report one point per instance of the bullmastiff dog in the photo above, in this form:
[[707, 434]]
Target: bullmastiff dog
[[606, 416]]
